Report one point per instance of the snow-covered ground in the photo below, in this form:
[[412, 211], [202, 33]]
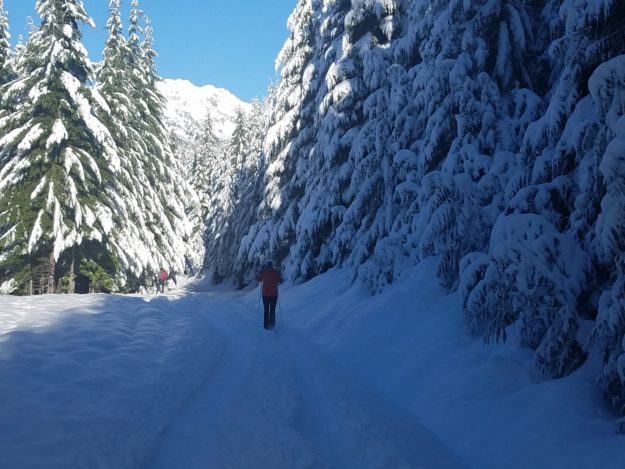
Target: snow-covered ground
[[191, 379]]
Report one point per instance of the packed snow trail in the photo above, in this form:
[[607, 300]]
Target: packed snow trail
[[272, 401], [190, 379]]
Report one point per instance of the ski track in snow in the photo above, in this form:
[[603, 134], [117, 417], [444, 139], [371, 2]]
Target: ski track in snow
[[273, 401]]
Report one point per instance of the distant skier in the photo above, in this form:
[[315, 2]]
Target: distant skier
[[269, 278], [162, 279]]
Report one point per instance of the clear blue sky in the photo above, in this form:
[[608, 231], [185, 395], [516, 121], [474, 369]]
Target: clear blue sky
[[227, 43]]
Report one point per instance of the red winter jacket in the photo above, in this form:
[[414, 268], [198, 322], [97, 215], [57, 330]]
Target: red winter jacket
[[270, 280]]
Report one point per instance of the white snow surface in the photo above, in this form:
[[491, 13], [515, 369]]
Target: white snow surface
[[188, 104], [191, 379]]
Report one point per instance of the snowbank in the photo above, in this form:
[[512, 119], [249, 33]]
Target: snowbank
[[485, 402]]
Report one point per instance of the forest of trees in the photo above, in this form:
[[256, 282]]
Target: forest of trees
[[487, 133], [91, 197]]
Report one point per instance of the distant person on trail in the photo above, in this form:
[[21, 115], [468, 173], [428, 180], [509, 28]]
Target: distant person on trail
[[269, 278], [162, 279], [172, 276], [155, 283]]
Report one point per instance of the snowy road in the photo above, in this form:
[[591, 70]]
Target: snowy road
[[191, 380], [271, 400]]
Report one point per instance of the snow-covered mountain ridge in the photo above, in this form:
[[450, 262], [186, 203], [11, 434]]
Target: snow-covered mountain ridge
[[188, 104]]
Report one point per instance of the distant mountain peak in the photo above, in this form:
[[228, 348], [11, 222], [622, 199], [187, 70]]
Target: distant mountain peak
[[188, 104]]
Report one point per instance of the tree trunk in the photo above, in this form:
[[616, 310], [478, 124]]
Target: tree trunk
[[52, 263], [72, 278]]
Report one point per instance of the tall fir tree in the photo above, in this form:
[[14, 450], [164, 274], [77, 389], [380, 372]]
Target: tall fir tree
[[245, 163], [339, 102], [58, 159], [223, 195], [156, 224], [289, 140], [7, 71], [172, 226], [368, 195], [248, 186], [133, 185], [607, 87], [207, 154], [214, 169]]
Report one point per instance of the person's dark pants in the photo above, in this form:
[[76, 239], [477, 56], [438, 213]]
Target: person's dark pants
[[269, 303]]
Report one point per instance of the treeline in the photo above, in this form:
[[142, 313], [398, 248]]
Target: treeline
[[487, 133], [91, 197]]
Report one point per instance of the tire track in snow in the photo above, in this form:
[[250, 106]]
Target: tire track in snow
[[258, 427], [185, 441], [359, 428]]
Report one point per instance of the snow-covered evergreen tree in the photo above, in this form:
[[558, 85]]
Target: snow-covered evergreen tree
[[17, 53], [607, 86], [319, 208], [172, 226], [58, 159], [221, 162], [249, 185], [208, 155], [319, 109], [86, 173], [289, 140], [148, 240], [241, 174], [464, 144], [542, 260], [158, 225], [7, 72], [369, 195]]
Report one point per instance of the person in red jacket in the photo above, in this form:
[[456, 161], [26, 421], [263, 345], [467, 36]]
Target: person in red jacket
[[269, 278], [162, 280]]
